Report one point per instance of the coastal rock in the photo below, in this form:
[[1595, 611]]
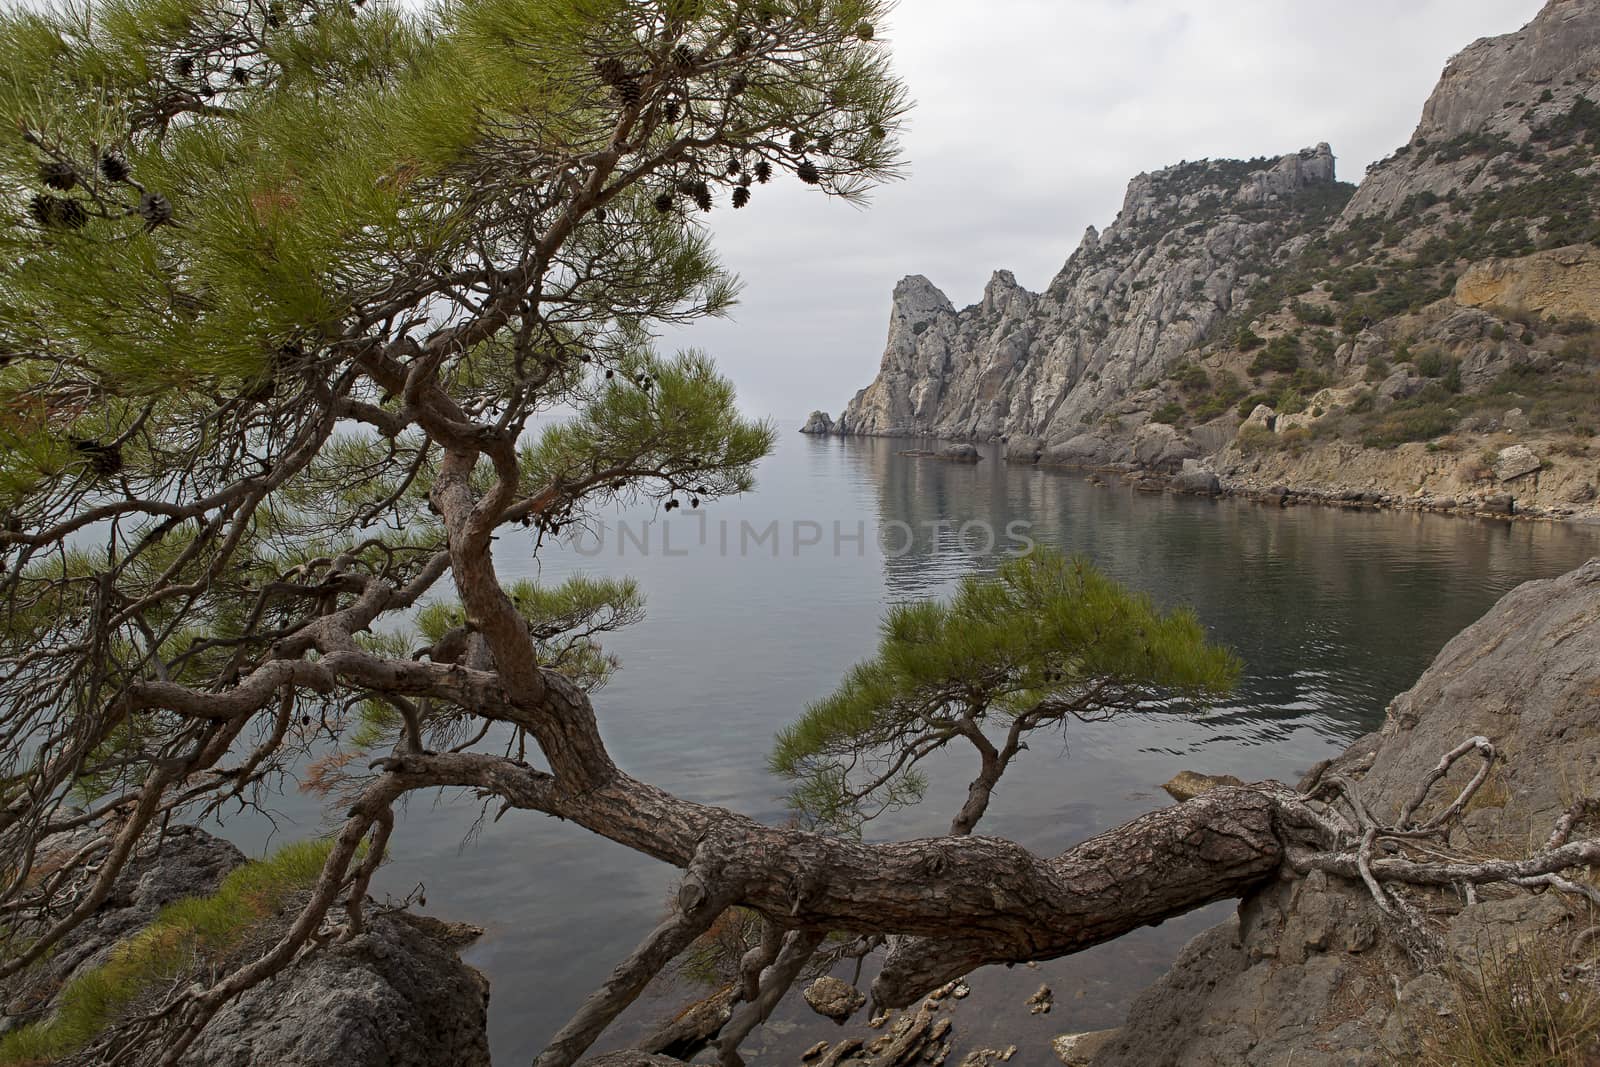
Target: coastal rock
[[1186, 785], [834, 998], [959, 453], [1078, 1050], [1024, 450], [1159, 447], [1514, 462], [1197, 483], [1125, 305], [1276, 984], [394, 996], [818, 423]]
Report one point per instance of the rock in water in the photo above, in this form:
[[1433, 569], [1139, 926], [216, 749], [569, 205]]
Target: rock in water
[[1198, 482], [836, 999], [1186, 785], [818, 423], [1078, 1050], [959, 453]]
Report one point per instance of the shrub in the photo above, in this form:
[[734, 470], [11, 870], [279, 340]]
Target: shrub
[[1311, 314], [1168, 413], [195, 930], [1415, 420], [1282, 354], [1251, 402], [1247, 340]]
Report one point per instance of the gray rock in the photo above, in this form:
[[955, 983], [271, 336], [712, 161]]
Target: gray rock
[[1024, 450], [834, 998], [1084, 450], [1079, 1050], [1124, 307], [1162, 448], [960, 453], [186, 862], [1275, 983], [1514, 462], [1401, 385], [625, 1058], [1499, 504], [818, 423], [395, 996], [1198, 482]]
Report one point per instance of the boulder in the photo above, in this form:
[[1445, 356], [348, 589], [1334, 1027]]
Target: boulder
[[959, 453], [1306, 972], [1261, 417], [1198, 482], [818, 423], [1084, 450], [1078, 1050], [1186, 785], [1400, 385], [1024, 450], [1514, 462], [834, 998], [1159, 447], [394, 996]]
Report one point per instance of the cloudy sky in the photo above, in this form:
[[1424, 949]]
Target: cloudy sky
[[1031, 115]]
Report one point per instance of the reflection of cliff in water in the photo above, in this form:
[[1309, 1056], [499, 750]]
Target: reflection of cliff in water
[[1333, 611]]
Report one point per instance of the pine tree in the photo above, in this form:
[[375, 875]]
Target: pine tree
[[1047, 640], [284, 284]]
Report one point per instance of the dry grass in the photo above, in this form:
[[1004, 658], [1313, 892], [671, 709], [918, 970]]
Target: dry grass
[[1522, 1008]]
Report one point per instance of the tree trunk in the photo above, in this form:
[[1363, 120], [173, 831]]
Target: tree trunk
[[965, 901]]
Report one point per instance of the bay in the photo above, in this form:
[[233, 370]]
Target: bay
[[756, 607]]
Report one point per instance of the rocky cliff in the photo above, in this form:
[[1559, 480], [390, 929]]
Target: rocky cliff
[[1189, 243], [1311, 973], [1261, 322]]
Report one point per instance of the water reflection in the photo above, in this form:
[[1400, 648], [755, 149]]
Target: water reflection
[[1332, 612]]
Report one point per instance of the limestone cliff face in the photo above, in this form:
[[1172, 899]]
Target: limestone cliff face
[[1562, 283], [1259, 325], [1499, 89], [1190, 241]]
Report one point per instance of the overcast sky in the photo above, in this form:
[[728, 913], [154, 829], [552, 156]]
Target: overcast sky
[[1030, 117]]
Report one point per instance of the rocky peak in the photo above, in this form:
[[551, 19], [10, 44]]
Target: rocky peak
[[1558, 49], [1002, 286], [1291, 174]]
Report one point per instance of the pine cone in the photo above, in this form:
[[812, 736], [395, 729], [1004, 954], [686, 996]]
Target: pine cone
[[184, 66], [865, 32], [797, 142], [734, 167], [114, 166], [630, 92], [663, 203], [741, 196], [58, 175], [683, 57], [807, 172], [155, 209], [57, 212], [670, 111], [763, 171], [702, 196]]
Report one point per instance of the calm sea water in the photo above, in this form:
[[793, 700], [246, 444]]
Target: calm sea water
[[1333, 612]]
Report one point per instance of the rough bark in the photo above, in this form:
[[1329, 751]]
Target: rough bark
[[1008, 903]]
